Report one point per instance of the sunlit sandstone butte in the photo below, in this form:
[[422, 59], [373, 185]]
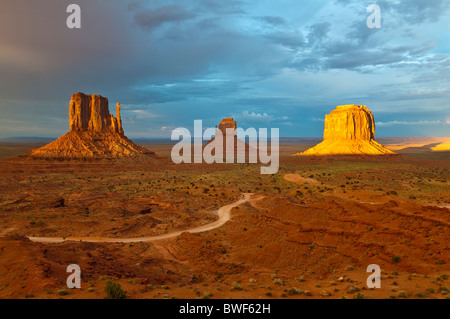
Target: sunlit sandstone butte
[[349, 130], [94, 133]]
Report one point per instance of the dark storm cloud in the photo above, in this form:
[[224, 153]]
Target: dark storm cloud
[[41, 62], [318, 33], [293, 40], [169, 62], [150, 19], [357, 59], [221, 7], [42, 58], [274, 20], [359, 48]]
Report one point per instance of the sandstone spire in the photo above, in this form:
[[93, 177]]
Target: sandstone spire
[[349, 130], [119, 119]]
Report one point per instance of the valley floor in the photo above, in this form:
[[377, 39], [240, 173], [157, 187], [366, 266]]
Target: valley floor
[[318, 224]]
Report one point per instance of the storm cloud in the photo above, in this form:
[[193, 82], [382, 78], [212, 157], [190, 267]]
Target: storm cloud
[[266, 63]]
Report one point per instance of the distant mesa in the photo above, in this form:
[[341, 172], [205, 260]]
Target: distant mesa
[[94, 133], [240, 147], [349, 130], [229, 123]]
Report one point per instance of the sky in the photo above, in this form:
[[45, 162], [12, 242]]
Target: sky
[[269, 64]]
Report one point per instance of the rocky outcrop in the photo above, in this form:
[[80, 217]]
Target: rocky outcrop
[[94, 133], [119, 119], [349, 130]]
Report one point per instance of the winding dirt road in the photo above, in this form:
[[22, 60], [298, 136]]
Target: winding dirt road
[[224, 214]]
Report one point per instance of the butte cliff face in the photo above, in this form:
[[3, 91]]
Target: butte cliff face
[[94, 133], [349, 130], [227, 123], [91, 113], [240, 147]]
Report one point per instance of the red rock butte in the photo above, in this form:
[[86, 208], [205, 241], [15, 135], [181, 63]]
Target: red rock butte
[[94, 133], [228, 129], [227, 123], [91, 113], [349, 130]]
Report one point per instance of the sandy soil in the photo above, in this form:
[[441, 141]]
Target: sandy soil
[[223, 214], [429, 143], [309, 232], [296, 178]]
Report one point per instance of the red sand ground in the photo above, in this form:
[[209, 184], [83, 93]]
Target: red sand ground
[[302, 240]]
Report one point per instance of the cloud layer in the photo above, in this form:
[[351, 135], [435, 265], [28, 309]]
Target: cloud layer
[[268, 64]]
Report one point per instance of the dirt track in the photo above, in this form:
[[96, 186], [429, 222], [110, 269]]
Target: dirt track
[[224, 214]]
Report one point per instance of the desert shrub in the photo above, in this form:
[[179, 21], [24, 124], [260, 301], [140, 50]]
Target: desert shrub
[[403, 294], [421, 295], [114, 290], [395, 259], [236, 286], [278, 281], [295, 291], [62, 292], [349, 268], [207, 295], [444, 290], [359, 296]]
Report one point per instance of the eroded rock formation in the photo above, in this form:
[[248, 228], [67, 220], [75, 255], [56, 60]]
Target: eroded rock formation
[[227, 123], [94, 133], [91, 113], [349, 130], [239, 146]]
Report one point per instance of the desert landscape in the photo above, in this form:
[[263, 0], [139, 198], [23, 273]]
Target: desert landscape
[[211, 150], [162, 230]]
